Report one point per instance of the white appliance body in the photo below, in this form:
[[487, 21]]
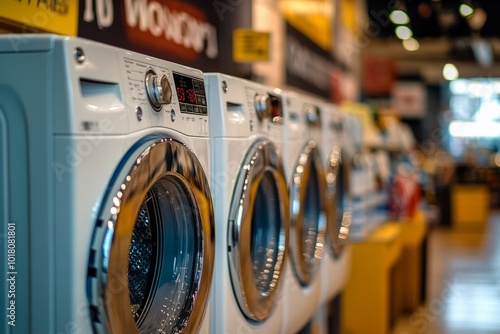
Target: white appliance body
[[250, 203], [335, 263], [90, 173], [306, 183]]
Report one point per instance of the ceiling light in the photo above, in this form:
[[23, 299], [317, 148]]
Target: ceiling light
[[399, 17], [403, 32], [450, 72], [411, 44], [424, 10], [466, 10], [477, 20], [474, 129]]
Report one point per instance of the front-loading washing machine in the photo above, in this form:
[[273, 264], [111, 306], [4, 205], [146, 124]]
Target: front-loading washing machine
[[335, 263], [105, 191], [250, 203], [306, 184]]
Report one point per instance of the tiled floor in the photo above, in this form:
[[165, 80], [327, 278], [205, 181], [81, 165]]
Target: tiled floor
[[464, 284]]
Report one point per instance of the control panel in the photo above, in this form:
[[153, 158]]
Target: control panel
[[156, 85], [268, 105]]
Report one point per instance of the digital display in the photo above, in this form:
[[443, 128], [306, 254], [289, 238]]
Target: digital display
[[191, 94], [275, 106]]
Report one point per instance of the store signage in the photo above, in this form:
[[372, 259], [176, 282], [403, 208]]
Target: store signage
[[250, 46], [379, 75], [409, 99], [194, 33], [59, 16], [314, 19], [308, 66]]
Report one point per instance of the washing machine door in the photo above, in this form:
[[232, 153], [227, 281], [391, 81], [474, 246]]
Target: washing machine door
[[152, 254], [258, 231], [337, 201], [307, 233]]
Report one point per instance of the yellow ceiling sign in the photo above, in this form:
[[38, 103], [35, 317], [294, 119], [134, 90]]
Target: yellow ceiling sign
[[250, 46], [348, 8], [53, 16], [313, 18]]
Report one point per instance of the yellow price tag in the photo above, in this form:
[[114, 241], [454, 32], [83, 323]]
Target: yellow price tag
[[59, 16], [250, 46]]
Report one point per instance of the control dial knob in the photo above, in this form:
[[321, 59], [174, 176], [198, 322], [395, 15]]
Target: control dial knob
[[261, 106], [158, 89], [312, 114]]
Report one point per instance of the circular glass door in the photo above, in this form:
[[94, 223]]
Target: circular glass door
[[152, 255], [337, 197], [258, 231], [307, 232]]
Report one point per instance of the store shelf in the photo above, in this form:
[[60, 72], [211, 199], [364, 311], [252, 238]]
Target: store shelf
[[409, 271], [470, 206], [366, 301]]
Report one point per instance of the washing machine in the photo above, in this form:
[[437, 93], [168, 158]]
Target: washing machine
[[306, 183], [105, 191], [335, 262], [251, 205]]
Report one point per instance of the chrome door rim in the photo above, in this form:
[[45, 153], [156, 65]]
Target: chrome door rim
[[107, 283], [338, 223], [309, 158], [262, 158]]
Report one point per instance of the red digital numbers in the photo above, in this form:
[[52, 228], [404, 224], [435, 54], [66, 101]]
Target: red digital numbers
[[192, 96], [181, 95]]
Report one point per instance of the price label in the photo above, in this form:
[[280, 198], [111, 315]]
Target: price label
[[250, 46]]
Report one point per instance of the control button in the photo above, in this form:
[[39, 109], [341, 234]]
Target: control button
[[200, 100], [261, 106], [183, 107], [158, 90], [172, 115]]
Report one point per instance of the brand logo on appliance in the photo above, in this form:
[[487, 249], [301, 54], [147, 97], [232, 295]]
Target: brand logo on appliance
[[178, 27]]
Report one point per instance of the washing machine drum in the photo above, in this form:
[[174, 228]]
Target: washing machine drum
[[152, 255], [308, 221], [258, 231], [337, 201]]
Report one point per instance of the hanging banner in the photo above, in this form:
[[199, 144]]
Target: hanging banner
[[308, 66], [195, 33], [313, 18], [58, 16]]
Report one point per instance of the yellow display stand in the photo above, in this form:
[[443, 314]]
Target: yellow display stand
[[366, 301], [408, 288], [470, 206]]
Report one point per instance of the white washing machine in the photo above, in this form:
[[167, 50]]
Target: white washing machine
[[306, 183], [250, 203], [335, 263], [104, 185]]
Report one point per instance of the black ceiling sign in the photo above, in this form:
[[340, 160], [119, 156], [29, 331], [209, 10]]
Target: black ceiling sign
[[195, 33], [307, 65]]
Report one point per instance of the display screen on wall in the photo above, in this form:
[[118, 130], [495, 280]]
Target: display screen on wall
[[195, 33]]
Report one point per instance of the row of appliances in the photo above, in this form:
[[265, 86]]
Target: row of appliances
[[140, 196]]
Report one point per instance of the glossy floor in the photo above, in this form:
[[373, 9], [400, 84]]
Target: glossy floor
[[464, 284]]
